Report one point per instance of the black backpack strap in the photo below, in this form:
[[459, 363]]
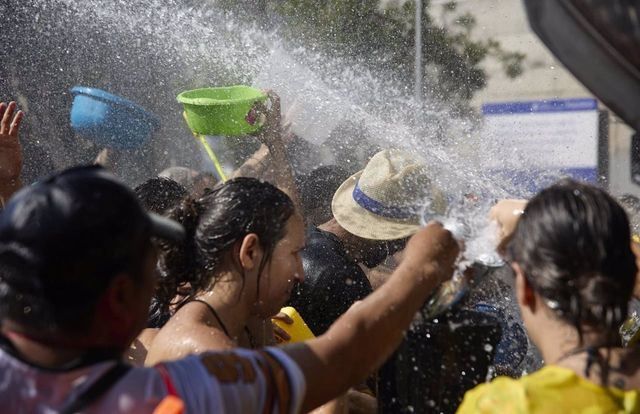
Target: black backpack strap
[[96, 390]]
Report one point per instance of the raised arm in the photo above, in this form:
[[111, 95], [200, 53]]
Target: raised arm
[[271, 136], [361, 340], [10, 150], [255, 166]]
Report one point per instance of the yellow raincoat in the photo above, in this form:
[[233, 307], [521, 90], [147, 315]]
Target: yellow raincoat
[[550, 390]]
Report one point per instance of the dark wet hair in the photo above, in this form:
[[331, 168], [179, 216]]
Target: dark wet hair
[[573, 244], [159, 194], [214, 223], [317, 189], [204, 180]]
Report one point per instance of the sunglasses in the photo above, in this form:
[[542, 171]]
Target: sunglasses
[[394, 246]]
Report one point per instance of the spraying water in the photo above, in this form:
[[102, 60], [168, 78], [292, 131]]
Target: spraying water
[[150, 51], [176, 47]]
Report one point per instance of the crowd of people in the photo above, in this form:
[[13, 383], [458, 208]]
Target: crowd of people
[[167, 298]]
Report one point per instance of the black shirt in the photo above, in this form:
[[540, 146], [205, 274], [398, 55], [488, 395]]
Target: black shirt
[[333, 281]]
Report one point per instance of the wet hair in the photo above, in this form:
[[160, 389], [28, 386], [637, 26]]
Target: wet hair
[[317, 189], [203, 182], [573, 245], [195, 183], [159, 194], [214, 224]]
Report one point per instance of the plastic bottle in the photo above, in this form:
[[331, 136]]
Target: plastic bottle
[[298, 330]]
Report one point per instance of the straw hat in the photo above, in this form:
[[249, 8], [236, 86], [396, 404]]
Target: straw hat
[[386, 200]]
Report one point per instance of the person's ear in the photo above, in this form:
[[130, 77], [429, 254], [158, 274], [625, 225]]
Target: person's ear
[[118, 306], [251, 252], [524, 291]]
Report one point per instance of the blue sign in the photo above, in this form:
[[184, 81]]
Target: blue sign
[[554, 105], [553, 138]]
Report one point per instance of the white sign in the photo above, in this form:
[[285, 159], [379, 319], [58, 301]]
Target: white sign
[[549, 135]]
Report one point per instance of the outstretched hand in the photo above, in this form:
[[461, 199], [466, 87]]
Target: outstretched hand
[[433, 251], [10, 149], [506, 214]]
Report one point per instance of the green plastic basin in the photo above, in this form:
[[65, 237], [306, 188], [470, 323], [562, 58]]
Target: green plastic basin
[[222, 111]]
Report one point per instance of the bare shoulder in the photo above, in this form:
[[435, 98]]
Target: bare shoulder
[[137, 352], [181, 337]]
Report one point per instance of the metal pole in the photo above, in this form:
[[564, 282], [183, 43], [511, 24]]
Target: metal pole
[[418, 44]]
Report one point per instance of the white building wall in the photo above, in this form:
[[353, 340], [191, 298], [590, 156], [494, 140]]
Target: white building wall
[[544, 76]]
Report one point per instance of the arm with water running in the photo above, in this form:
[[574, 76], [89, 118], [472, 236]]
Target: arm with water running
[[361, 340], [271, 135]]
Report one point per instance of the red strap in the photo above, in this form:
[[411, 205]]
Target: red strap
[[166, 378]]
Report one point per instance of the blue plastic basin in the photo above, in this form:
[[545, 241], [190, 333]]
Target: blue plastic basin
[[109, 120]]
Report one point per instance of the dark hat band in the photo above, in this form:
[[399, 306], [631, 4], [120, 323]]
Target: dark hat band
[[380, 209]]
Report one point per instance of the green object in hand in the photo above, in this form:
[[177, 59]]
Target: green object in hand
[[227, 111]]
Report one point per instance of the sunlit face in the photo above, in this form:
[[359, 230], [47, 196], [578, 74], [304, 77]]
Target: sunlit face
[[284, 269]]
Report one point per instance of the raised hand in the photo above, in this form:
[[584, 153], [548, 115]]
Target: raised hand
[[271, 135], [271, 132], [433, 252], [506, 214], [10, 150]]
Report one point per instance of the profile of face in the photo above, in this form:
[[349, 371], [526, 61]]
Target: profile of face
[[284, 269]]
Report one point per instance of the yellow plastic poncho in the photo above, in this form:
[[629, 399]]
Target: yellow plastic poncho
[[550, 390]]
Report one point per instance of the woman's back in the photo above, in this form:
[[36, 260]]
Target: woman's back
[[574, 274], [553, 389]]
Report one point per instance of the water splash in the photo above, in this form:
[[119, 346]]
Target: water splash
[[182, 45], [150, 51]]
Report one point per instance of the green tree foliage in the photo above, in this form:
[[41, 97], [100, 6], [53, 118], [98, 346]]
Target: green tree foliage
[[380, 34]]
